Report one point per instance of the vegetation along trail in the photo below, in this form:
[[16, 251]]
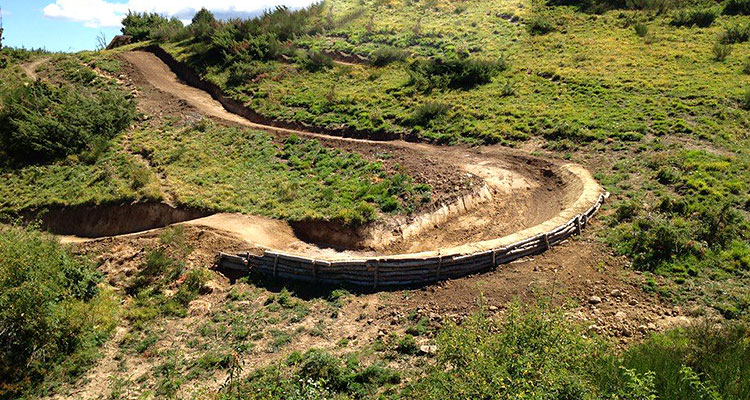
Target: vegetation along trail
[[530, 195]]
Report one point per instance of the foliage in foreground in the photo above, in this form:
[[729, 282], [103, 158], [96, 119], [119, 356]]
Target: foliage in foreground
[[531, 352], [52, 313]]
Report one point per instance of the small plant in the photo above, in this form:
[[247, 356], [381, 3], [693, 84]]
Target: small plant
[[428, 111], [737, 7], [540, 25], [385, 55], [508, 89], [641, 29], [745, 99], [721, 51], [737, 33], [746, 66], [702, 17]]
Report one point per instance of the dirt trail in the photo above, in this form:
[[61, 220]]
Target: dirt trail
[[530, 195], [30, 68]]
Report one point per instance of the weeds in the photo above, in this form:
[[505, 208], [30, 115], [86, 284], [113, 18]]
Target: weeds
[[702, 17], [721, 51], [641, 29]]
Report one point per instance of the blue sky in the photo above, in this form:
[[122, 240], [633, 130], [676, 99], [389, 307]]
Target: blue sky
[[73, 25]]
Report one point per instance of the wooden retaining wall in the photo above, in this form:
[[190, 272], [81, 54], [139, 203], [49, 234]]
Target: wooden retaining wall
[[403, 271]]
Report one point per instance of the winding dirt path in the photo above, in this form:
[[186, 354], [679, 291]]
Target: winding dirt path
[[30, 68], [529, 195]]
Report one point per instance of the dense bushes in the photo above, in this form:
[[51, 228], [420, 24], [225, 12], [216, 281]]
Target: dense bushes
[[455, 73], [146, 26], [315, 374], [702, 17], [737, 7], [40, 122], [385, 55], [690, 363], [50, 308], [536, 353], [735, 33]]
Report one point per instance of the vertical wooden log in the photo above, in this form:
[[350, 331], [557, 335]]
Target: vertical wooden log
[[546, 241], [440, 265], [377, 274], [275, 265], [494, 258], [578, 224]]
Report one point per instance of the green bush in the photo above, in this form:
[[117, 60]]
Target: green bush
[[314, 61], [386, 54], [40, 122], [424, 113], [50, 308], [737, 7], [745, 99], [736, 33], [540, 25], [315, 374], [702, 17], [641, 29], [721, 51], [143, 26], [531, 353], [454, 72], [746, 66], [715, 357]]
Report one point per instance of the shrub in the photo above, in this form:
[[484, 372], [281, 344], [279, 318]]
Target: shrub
[[50, 308], [721, 51], [454, 73], [540, 25], [385, 55], [40, 122], [532, 353], [746, 66], [315, 374], [143, 26], [702, 17], [202, 25], [426, 112], [736, 33], [314, 61], [737, 7], [745, 99], [641, 29], [715, 358]]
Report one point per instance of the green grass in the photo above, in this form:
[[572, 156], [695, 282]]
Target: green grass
[[653, 97], [242, 170]]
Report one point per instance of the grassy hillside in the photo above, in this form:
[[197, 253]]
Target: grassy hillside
[[65, 150], [654, 97]]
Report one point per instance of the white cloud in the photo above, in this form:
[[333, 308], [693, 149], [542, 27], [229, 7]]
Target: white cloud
[[102, 13]]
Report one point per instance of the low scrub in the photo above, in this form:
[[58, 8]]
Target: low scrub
[[315, 374], [41, 122], [735, 33], [147, 26], [52, 312], [383, 56], [453, 73], [737, 7], [702, 17]]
